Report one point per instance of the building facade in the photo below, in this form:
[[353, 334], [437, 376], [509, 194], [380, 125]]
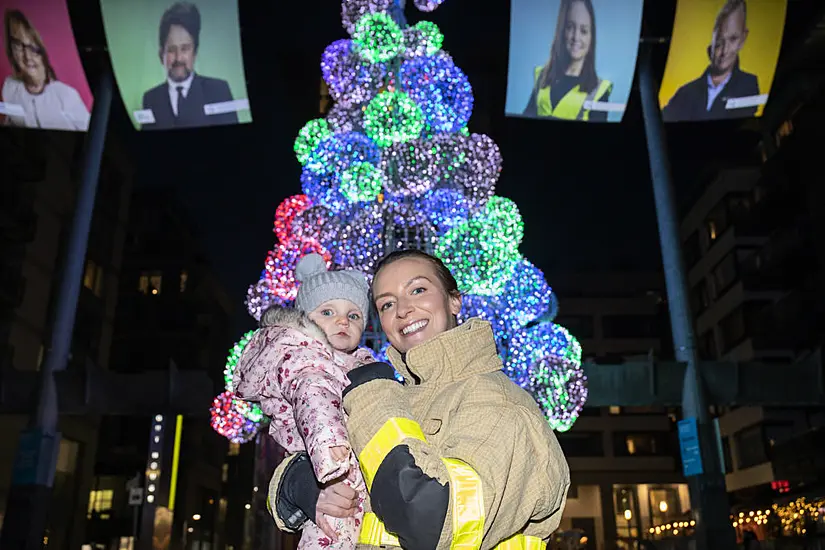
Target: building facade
[[753, 245], [172, 314], [40, 180], [625, 472]]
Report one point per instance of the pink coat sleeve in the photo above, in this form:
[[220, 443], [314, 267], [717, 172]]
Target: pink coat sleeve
[[312, 383]]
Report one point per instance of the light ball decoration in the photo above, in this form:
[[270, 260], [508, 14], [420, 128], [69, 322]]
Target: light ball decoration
[[415, 165], [441, 89], [351, 79], [393, 117], [353, 10], [482, 307], [309, 137], [546, 360], [323, 189], [339, 151], [428, 5], [279, 269], [423, 38], [480, 169], [362, 182], [359, 243], [233, 358], [377, 37], [317, 223], [445, 208], [285, 215], [235, 419], [343, 117], [526, 297], [483, 251], [260, 297], [406, 210]]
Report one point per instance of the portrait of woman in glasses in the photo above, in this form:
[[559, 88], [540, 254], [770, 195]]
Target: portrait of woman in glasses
[[32, 96]]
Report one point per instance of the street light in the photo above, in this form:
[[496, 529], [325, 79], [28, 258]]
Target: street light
[[196, 517]]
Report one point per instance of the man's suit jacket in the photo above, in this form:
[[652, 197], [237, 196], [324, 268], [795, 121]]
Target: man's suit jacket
[[691, 100], [203, 91]]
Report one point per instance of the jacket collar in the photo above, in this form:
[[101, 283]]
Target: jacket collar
[[467, 350]]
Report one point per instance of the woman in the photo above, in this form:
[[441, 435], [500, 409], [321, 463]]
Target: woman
[[33, 96], [568, 79], [459, 456]]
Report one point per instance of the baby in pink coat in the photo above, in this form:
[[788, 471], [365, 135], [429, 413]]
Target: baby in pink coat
[[296, 367]]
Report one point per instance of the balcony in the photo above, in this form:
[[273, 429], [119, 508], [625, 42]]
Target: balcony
[[779, 265], [12, 287]]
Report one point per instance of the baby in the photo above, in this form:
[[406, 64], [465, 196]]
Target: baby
[[295, 366]]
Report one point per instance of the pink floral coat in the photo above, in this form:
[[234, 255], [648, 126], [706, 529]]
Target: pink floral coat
[[298, 379]]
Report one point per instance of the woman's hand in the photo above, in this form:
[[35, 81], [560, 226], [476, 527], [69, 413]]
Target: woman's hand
[[338, 500]]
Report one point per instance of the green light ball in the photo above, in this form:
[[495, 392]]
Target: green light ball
[[361, 182], [377, 38], [393, 117], [309, 137]]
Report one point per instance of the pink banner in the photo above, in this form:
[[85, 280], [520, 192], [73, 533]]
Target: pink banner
[[43, 83]]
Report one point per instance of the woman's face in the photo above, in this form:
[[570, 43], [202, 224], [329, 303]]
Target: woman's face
[[412, 303], [27, 55], [578, 31]]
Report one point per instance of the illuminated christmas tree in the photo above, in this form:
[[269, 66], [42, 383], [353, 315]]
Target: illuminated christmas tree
[[392, 166]]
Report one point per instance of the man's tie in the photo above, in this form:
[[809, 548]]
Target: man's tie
[[181, 97]]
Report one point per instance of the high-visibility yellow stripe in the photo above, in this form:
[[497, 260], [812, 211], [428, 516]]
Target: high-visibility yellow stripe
[[373, 532], [467, 498], [391, 434]]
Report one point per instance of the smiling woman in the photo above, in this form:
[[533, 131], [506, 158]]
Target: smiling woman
[[459, 435]]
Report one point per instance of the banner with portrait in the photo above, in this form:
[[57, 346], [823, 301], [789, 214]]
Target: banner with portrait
[[178, 64], [722, 59], [572, 59], [43, 83]]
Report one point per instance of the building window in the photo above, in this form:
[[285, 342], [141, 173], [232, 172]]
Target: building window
[[93, 278], [707, 346], [150, 282], [184, 278], [638, 444], [234, 449], [750, 447], [324, 104], [664, 505], [614, 410], [627, 512], [631, 326], [582, 443], [225, 473], [692, 250], [724, 274], [100, 504], [733, 329], [700, 297], [785, 130]]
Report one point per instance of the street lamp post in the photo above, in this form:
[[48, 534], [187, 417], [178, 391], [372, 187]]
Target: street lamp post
[[708, 496]]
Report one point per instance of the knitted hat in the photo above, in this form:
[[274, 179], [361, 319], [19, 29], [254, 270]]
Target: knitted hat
[[319, 285]]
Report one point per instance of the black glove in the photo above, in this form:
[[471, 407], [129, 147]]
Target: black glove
[[368, 373]]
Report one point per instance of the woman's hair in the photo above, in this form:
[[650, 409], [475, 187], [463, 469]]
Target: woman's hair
[[560, 59], [16, 17], [442, 273]]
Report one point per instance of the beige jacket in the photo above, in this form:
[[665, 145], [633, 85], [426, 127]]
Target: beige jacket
[[469, 410]]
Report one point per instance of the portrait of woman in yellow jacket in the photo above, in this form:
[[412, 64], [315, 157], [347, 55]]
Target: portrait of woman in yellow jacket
[[564, 86], [458, 456]]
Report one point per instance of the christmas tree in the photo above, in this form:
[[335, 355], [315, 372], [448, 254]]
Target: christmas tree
[[392, 166]]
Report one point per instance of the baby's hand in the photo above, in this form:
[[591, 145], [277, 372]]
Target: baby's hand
[[340, 453]]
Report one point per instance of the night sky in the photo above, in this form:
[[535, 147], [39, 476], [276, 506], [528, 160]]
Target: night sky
[[584, 190]]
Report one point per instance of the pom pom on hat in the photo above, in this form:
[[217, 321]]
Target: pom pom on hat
[[309, 265]]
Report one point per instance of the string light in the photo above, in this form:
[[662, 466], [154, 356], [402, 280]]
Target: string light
[[285, 215], [482, 252], [445, 208], [481, 168], [232, 360], [428, 5], [339, 151], [309, 137], [353, 10], [350, 78], [324, 189], [392, 117], [260, 297], [361, 182], [279, 268], [235, 419], [377, 38], [359, 243], [441, 90], [343, 117], [316, 223], [423, 38]]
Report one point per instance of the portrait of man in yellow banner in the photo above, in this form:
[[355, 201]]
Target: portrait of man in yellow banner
[[722, 59]]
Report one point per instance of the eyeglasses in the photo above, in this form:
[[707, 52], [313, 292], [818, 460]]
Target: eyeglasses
[[17, 47]]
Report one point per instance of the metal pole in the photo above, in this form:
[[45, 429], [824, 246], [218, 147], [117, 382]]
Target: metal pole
[[27, 507], [709, 499]]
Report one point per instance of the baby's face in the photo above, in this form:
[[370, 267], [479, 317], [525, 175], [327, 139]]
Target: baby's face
[[341, 321]]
